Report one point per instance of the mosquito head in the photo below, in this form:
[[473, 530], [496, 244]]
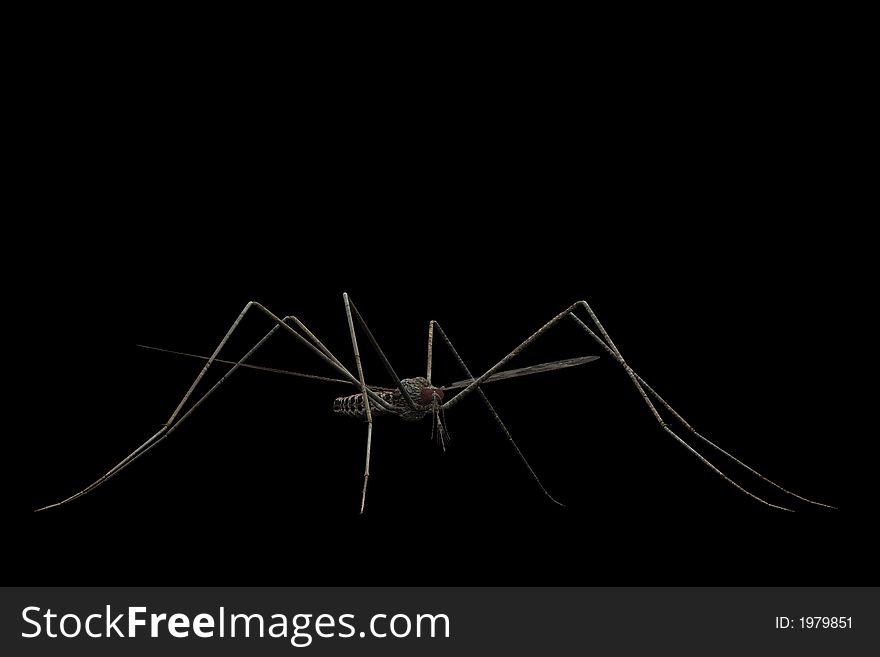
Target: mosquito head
[[428, 392]]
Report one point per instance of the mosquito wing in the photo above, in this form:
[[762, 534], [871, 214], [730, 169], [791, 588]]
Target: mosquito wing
[[498, 376], [532, 369], [274, 370]]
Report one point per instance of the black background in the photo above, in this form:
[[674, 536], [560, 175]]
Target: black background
[[701, 214]]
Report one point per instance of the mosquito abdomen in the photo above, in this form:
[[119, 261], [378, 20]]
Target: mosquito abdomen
[[353, 405]]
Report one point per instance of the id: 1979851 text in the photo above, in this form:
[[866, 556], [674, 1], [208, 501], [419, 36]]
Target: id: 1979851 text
[[814, 623]]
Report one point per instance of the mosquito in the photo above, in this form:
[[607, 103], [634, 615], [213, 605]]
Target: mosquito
[[415, 398]]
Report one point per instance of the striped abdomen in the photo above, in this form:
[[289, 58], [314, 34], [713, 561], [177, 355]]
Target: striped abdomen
[[353, 405]]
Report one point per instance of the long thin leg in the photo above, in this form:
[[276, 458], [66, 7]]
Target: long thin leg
[[501, 363], [351, 308], [360, 369], [437, 428], [313, 343], [164, 432], [642, 386], [430, 349], [174, 421], [611, 348], [491, 408]]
